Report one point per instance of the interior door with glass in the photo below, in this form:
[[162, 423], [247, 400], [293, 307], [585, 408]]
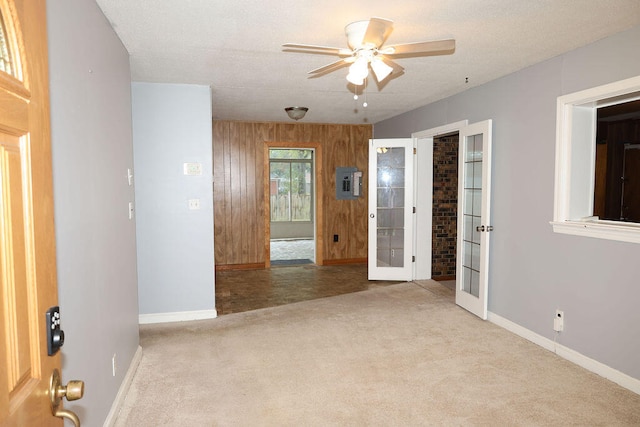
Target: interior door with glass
[[474, 221], [390, 209]]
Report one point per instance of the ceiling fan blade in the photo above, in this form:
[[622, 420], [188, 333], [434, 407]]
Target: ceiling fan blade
[[330, 67], [437, 47], [311, 48], [397, 68], [377, 32]]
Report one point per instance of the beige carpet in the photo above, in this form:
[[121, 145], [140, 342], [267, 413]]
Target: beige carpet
[[402, 355]]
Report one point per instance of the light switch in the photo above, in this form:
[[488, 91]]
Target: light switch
[[193, 169]]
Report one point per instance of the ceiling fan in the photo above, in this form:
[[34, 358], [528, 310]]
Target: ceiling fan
[[365, 40]]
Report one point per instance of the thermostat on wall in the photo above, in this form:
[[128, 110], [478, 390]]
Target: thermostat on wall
[[193, 169]]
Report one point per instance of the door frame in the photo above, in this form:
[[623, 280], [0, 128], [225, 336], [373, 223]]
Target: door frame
[[423, 219], [318, 194]]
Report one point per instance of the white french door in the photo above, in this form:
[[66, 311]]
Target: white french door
[[391, 209], [392, 223], [474, 219]]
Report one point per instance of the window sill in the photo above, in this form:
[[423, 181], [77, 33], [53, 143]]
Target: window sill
[[610, 230]]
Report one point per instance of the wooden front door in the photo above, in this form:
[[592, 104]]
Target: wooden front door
[[27, 245]]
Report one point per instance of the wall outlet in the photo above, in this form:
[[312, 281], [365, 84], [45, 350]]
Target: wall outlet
[[558, 321], [335, 237], [113, 365]]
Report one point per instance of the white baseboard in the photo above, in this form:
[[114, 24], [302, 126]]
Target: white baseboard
[[573, 356], [179, 316], [124, 389]]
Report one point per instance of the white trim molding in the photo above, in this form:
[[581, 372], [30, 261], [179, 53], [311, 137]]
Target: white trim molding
[[124, 389], [611, 230], [620, 378], [423, 195], [576, 123], [179, 316]]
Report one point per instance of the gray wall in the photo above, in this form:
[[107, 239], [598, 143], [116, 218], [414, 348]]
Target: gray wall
[[171, 126], [96, 248], [533, 271]]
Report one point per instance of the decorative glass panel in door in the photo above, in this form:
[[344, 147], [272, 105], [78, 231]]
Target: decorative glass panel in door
[[390, 209], [474, 217]]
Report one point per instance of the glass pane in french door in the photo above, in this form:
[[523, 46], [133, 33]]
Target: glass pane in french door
[[390, 190], [472, 215]]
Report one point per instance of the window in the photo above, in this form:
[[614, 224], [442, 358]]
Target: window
[[291, 172], [617, 183], [575, 183], [6, 64], [9, 52]]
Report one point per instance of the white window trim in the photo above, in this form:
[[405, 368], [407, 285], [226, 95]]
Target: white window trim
[[575, 162]]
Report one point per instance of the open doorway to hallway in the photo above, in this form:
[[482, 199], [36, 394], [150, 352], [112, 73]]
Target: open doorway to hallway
[[292, 206], [445, 208]]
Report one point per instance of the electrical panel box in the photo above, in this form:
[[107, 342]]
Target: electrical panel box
[[348, 183]]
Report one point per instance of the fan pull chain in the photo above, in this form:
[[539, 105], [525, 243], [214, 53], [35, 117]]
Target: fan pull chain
[[364, 92]]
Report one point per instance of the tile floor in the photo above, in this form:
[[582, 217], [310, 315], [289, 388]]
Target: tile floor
[[292, 249], [244, 290]]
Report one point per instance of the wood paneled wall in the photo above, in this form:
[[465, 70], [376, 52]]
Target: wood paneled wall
[[238, 194]]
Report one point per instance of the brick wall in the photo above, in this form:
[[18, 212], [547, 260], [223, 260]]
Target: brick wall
[[445, 206]]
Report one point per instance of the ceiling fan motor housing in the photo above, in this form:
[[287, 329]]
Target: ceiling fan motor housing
[[355, 32]]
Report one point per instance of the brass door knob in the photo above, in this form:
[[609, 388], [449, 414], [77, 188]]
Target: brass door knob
[[74, 390]]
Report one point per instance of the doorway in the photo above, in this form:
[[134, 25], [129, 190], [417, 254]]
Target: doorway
[[437, 202], [303, 162], [445, 207], [291, 194]]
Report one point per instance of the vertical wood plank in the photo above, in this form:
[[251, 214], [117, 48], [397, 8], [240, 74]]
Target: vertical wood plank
[[320, 195], [252, 193], [243, 141], [288, 132], [235, 169], [227, 196], [220, 134], [316, 133], [360, 136], [264, 132], [336, 211]]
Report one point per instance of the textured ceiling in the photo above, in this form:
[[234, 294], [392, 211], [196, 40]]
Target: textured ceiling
[[235, 48]]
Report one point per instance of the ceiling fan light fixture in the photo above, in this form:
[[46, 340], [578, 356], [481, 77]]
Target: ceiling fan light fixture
[[296, 113], [355, 79], [380, 69], [358, 71]]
